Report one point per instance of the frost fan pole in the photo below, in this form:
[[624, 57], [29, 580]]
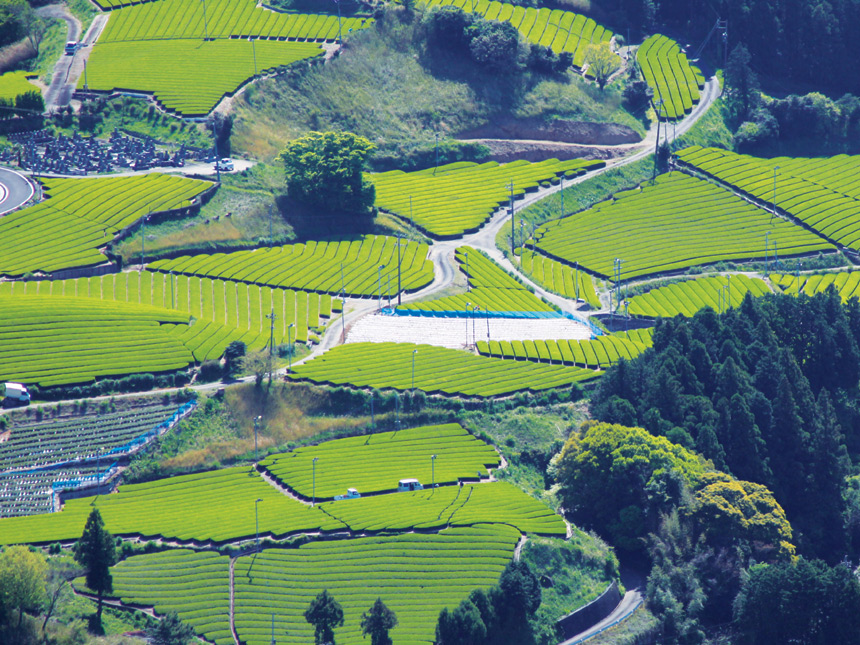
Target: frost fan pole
[[513, 229]]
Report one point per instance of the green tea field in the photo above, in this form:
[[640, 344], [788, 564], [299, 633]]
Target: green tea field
[[676, 223], [377, 462], [325, 266]]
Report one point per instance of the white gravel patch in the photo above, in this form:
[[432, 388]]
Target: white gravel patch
[[460, 332]]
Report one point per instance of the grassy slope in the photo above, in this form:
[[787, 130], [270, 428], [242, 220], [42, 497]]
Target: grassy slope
[[386, 87]]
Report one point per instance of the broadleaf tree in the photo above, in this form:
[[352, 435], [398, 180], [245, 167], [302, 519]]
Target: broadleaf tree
[[325, 170]]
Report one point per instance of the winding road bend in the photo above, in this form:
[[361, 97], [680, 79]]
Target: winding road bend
[[15, 190]]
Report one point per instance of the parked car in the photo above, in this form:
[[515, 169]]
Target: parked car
[[224, 165], [71, 47], [405, 485], [351, 493]]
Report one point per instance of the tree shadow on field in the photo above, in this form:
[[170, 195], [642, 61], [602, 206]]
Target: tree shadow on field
[[309, 223]]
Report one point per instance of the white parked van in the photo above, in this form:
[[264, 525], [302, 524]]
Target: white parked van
[[405, 485], [16, 393]]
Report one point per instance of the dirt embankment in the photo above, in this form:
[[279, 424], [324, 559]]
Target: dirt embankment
[[505, 150], [558, 131]]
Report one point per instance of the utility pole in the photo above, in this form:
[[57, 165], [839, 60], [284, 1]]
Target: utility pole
[[468, 287], [774, 192], [399, 244], [205, 22], [561, 193], [379, 284], [766, 236], [254, 49], [657, 105], [339, 31], [143, 237], [468, 305], [271, 316], [513, 228], [290, 347], [256, 428], [314, 484]]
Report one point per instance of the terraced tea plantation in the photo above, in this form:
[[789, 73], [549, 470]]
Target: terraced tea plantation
[[224, 311], [678, 222], [377, 462], [497, 502], [686, 298], [223, 502], [597, 354], [54, 341], [826, 199], [13, 84], [82, 215], [560, 278], [184, 19], [451, 200], [416, 575], [492, 289], [437, 370], [321, 266], [845, 283], [561, 31], [668, 72], [194, 584], [188, 77]]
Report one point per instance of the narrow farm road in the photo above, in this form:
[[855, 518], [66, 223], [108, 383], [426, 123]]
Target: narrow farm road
[[58, 94], [629, 603], [233, 631]]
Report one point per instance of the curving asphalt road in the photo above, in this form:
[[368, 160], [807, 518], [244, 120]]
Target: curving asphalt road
[[15, 190]]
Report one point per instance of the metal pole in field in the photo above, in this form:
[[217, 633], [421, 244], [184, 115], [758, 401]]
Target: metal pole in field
[[314, 488], [205, 22], [143, 238], [487, 311], [397, 409], [254, 48], [513, 229], [271, 236], [576, 279], [256, 428], [86, 88], [273, 629], [774, 191], [729, 288], [437, 152], [468, 304], [561, 193], [766, 238], [372, 416], [388, 289], [411, 220], [399, 288], [657, 104], [342, 307], [432, 471], [290, 347], [797, 277], [414, 351], [339, 31], [468, 287], [257, 523], [475, 309], [379, 284], [271, 316], [172, 290]]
